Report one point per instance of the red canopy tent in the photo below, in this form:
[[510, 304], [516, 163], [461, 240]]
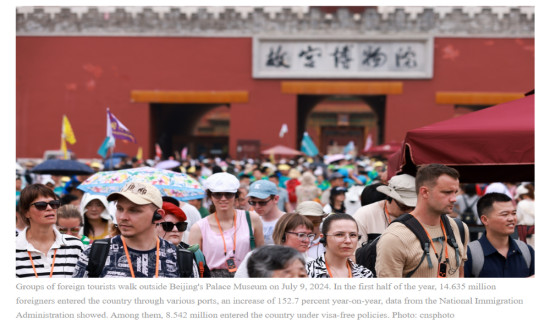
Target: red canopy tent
[[493, 144]]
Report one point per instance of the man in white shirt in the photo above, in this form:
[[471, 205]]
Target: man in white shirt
[[263, 198]]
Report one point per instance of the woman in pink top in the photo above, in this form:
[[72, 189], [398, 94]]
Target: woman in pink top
[[224, 236]]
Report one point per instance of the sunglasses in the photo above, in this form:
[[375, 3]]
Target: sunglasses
[[261, 203], [219, 195], [169, 226], [65, 230], [43, 205]]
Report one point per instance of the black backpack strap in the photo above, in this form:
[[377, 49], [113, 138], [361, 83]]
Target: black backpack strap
[[415, 226], [451, 240], [98, 255], [185, 262]]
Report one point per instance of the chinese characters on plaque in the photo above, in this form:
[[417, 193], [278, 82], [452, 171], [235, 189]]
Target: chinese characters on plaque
[[281, 58]]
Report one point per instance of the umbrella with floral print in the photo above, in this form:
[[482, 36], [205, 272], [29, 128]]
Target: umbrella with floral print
[[169, 183]]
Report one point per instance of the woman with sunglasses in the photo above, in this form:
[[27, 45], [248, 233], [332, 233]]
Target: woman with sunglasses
[[97, 219], [172, 228], [339, 234], [41, 251], [224, 236], [69, 221], [291, 230]]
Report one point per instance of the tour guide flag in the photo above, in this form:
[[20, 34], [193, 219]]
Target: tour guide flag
[[308, 147], [67, 135], [119, 131]]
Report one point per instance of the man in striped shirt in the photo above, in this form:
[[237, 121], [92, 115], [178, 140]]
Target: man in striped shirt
[[40, 250]]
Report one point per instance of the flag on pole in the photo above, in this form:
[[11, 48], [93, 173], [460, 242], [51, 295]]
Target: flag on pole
[[109, 141], [67, 135], [158, 151], [349, 147], [284, 129], [184, 153], [118, 130], [368, 144], [308, 147]]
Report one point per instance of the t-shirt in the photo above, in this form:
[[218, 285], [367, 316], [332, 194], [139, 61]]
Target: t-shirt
[[143, 262], [371, 219], [283, 198], [268, 227], [399, 252]]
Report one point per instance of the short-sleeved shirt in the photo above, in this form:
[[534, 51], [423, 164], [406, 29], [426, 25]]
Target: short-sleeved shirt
[[371, 219], [283, 198], [399, 252], [497, 266], [143, 262]]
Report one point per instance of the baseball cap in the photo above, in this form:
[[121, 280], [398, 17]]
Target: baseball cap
[[139, 193], [222, 182], [336, 175], [401, 188], [262, 189]]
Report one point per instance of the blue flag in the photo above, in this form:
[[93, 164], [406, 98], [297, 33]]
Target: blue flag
[[104, 148], [308, 147], [349, 147]]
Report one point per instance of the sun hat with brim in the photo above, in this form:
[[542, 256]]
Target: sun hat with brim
[[401, 188], [222, 182], [310, 208], [139, 193]]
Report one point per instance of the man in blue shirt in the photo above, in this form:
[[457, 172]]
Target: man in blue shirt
[[496, 254]]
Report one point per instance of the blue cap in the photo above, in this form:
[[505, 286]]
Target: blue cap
[[262, 189]]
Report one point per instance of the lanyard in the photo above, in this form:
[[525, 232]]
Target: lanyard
[[130, 260], [388, 217], [53, 263], [234, 234], [444, 243], [330, 273]]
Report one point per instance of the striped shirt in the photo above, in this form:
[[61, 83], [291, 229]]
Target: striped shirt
[[66, 256]]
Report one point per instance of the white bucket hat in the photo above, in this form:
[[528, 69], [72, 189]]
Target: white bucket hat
[[401, 188]]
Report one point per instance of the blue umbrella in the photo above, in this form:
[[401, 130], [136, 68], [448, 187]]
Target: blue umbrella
[[61, 167]]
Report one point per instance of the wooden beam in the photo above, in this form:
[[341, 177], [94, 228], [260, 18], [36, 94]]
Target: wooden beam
[[476, 98], [154, 96], [342, 87]]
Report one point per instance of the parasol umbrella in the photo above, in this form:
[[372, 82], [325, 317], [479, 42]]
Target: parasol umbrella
[[386, 149], [62, 167], [168, 164], [173, 184], [493, 144], [282, 151], [334, 157]]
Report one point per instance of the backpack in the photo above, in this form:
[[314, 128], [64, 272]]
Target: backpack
[[291, 188], [468, 215], [366, 255], [478, 257], [100, 251], [200, 259]]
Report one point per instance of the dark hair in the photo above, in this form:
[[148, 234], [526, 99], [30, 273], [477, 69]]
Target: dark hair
[[88, 228], [470, 189], [485, 203], [333, 193], [212, 207], [69, 211], [428, 174], [287, 222], [68, 198], [29, 194], [333, 217], [371, 195], [530, 191], [267, 259]]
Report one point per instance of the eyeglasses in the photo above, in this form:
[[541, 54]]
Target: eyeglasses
[[65, 230], [303, 236], [261, 203], [169, 226], [219, 195], [341, 236], [43, 205]]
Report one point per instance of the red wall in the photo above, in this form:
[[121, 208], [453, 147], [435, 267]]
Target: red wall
[[82, 76]]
